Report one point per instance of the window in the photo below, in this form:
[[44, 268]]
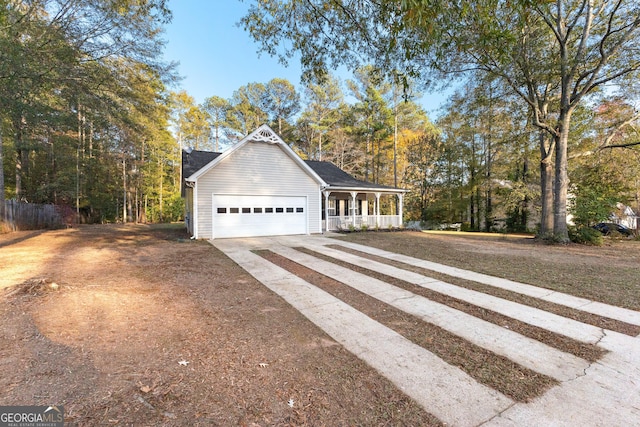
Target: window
[[279, 210], [289, 210], [257, 210], [222, 210], [234, 210], [246, 210], [268, 210], [299, 210], [332, 207]]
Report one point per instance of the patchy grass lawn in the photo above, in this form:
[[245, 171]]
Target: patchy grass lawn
[[609, 273]]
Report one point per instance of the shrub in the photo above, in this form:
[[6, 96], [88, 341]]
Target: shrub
[[550, 238], [586, 236]]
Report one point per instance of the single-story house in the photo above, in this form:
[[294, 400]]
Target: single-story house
[[261, 187]]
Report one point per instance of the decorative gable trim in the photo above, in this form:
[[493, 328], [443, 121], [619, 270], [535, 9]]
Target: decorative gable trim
[[264, 134]]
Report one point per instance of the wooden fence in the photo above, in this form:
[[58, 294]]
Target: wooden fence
[[31, 216]]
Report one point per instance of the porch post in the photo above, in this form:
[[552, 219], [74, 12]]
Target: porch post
[[364, 208], [326, 210], [377, 209], [400, 199], [353, 204]]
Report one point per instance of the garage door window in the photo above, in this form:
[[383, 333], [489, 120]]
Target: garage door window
[[258, 210]]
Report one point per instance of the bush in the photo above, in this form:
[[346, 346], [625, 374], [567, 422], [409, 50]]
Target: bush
[[585, 236], [466, 226]]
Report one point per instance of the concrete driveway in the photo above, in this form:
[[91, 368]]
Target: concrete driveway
[[603, 393]]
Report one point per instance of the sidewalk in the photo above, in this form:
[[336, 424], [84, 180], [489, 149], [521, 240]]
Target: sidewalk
[[603, 393]]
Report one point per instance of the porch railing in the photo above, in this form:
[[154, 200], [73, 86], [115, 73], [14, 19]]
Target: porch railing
[[336, 223]]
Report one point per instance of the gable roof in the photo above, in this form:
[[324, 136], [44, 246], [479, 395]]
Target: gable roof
[[263, 134], [330, 176], [193, 161], [339, 179]]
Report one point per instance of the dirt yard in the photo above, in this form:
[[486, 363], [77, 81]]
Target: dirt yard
[[138, 325]]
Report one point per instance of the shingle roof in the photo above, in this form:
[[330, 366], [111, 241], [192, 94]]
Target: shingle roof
[[194, 161], [336, 177], [330, 173]]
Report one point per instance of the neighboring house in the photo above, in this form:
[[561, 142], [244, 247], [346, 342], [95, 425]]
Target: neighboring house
[[625, 216], [261, 187]]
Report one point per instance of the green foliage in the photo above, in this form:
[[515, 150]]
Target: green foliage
[[553, 56], [596, 192], [82, 104], [585, 235]]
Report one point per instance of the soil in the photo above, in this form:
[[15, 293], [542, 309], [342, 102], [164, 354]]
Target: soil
[[138, 325]]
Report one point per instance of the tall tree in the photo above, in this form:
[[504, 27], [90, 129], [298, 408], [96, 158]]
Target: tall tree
[[73, 82], [281, 101], [247, 109], [217, 110], [320, 113], [552, 54], [375, 116]]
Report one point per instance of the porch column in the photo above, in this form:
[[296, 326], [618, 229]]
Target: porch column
[[326, 210], [378, 209], [400, 200], [353, 204]]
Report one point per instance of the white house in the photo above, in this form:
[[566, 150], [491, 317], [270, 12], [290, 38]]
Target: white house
[[625, 216], [261, 187]]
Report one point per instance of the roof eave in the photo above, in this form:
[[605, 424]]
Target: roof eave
[[366, 189]]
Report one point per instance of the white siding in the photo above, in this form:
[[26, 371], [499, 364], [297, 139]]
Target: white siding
[[257, 168]]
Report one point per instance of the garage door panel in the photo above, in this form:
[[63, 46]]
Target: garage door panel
[[258, 215]]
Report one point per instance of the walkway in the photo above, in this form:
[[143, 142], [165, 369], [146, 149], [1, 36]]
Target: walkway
[[606, 392]]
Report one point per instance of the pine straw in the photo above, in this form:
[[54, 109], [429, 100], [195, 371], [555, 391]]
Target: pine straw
[[561, 310], [486, 367]]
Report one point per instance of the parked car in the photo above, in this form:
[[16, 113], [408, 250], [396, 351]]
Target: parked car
[[607, 228]]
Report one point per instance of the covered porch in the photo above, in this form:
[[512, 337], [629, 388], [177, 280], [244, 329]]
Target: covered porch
[[360, 209], [351, 204]]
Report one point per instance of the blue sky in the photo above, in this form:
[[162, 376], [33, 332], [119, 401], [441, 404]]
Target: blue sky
[[217, 57]]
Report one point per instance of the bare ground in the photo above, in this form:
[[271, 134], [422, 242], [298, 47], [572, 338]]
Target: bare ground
[[134, 301], [98, 319]]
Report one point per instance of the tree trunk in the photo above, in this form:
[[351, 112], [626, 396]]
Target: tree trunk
[[562, 180], [1, 178], [546, 185], [124, 189]]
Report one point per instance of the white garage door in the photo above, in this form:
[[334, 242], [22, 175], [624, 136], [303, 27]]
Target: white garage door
[[251, 215]]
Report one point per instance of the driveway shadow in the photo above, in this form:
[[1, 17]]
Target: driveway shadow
[[21, 238]]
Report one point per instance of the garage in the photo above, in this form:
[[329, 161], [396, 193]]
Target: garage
[[258, 215]]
